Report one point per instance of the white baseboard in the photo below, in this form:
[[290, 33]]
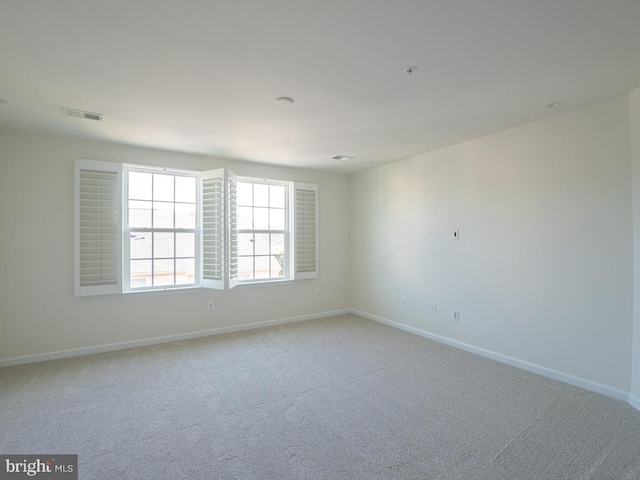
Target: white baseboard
[[531, 367], [76, 352], [634, 402]]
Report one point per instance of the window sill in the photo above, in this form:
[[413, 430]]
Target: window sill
[[156, 293], [263, 283]]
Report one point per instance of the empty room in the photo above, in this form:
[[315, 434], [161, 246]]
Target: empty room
[[320, 240]]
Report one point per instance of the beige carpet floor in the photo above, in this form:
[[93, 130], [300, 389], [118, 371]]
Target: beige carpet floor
[[335, 398]]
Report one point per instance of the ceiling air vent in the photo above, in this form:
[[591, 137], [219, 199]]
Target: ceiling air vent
[[70, 112]]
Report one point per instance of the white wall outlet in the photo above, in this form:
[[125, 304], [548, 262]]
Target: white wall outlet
[[456, 315], [403, 300], [210, 305], [318, 293], [434, 308], [456, 234]]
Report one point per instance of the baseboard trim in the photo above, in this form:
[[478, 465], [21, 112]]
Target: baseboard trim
[[634, 402], [76, 352], [531, 367]]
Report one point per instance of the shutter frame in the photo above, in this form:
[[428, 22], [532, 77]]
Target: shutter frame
[[212, 229], [97, 228], [305, 215], [232, 229]]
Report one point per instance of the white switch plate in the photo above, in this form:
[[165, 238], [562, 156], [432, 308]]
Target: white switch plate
[[434, 308], [456, 315]]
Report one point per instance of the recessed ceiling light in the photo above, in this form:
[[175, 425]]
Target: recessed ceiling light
[[554, 104], [284, 101], [342, 158]]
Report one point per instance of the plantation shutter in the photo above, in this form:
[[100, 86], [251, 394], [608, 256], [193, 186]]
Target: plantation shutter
[[306, 230], [213, 229], [97, 223], [232, 229]]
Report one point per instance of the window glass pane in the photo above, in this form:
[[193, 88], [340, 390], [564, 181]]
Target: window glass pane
[[163, 187], [277, 218], [262, 244], [185, 215], [162, 215], [140, 273], [162, 245], [163, 272], [277, 243], [245, 218], [140, 245], [245, 244], [262, 267], [140, 186], [185, 244], [277, 266], [244, 193], [260, 195], [277, 194], [245, 268], [186, 189], [140, 214], [261, 218], [185, 271]]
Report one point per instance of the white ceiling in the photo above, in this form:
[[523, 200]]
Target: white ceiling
[[203, 75]]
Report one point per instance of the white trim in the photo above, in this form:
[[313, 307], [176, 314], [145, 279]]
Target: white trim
[[514, 362], [76, 352], [634, 402]]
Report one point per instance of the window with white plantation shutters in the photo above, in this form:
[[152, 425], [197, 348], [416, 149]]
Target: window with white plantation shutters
[[98, 210], [141, 229], [306, 230]]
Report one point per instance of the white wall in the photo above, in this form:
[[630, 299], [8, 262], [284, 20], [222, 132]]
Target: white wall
[[542, 271], [634, 110], [38, 311]]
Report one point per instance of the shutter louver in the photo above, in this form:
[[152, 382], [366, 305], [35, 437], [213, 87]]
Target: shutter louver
[[97, 225], [306, 223]]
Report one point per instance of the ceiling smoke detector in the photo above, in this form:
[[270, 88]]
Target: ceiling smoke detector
[[342, 158], [70, 112], [410, 70]]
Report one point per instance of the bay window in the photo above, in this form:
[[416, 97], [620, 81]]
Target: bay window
[[144, 229]]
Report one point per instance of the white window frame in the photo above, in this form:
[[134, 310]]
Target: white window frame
[[90, 243], [288, 234], [126, 230]]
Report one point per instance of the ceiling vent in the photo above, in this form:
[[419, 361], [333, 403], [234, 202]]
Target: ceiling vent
[[70, 112]]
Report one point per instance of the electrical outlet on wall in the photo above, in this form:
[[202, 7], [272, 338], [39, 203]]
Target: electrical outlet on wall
[[403, 300], [434, 308], [456, 315], [210, 305]]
